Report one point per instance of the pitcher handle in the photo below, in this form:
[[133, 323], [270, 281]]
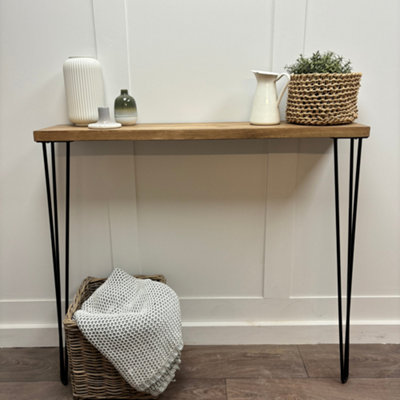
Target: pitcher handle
[[284, 88]]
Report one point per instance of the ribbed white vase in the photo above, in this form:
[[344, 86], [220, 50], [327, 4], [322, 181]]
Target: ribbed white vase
[[84, 89]]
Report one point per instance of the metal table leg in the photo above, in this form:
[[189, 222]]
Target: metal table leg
[[344, 350], [51, 189]]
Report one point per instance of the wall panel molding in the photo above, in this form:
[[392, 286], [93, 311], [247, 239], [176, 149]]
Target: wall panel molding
[[243, 230], [111, 32], [111, 29], [282, 160]]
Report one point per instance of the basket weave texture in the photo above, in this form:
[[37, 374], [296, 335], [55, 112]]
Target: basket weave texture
[[323, 99], [92, 375]]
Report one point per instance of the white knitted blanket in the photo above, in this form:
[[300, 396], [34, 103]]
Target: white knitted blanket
[[136, 324]]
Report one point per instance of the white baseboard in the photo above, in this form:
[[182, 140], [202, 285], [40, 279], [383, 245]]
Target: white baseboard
[[28, 335], [211, 333], [300, 332]]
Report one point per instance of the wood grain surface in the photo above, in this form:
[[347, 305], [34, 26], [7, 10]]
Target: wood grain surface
[[264, 361], [29, 364], [312, 389], [306, 372], [190, 389], [367, 360], [35, 391], [198, 131]]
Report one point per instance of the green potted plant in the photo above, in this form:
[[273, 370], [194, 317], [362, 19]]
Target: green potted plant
[[323, 90]]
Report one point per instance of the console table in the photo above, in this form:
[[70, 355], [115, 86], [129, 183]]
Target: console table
[[204, 131]]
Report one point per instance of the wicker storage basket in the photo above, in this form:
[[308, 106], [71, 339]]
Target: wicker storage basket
[[92, 375], [323, 99]]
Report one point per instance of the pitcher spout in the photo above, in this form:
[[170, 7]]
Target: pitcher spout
[[264, 74]]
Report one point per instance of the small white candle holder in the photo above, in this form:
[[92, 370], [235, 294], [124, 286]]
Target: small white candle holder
[[104, 121]]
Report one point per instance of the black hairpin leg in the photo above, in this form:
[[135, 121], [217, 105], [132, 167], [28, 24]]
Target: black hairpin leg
[[51, 189], [344, 351]]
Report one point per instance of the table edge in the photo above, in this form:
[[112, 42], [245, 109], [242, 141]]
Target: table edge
[[200, 131]]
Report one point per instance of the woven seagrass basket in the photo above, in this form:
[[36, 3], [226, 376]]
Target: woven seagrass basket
[[92, 375], [323, 99]]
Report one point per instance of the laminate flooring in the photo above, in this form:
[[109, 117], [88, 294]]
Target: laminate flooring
[[306, 372]]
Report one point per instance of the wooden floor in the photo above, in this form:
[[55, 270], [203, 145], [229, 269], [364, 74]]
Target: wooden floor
[[307, 372]]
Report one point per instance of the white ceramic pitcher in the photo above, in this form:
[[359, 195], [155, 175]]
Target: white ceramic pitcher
[[265, 109]]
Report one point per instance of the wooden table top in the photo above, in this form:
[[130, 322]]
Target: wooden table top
[[199, 131]]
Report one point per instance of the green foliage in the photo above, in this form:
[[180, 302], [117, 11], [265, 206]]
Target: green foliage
[[328, 62]]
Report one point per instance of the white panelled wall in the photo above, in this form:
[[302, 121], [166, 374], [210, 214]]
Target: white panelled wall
[[243, 231]]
